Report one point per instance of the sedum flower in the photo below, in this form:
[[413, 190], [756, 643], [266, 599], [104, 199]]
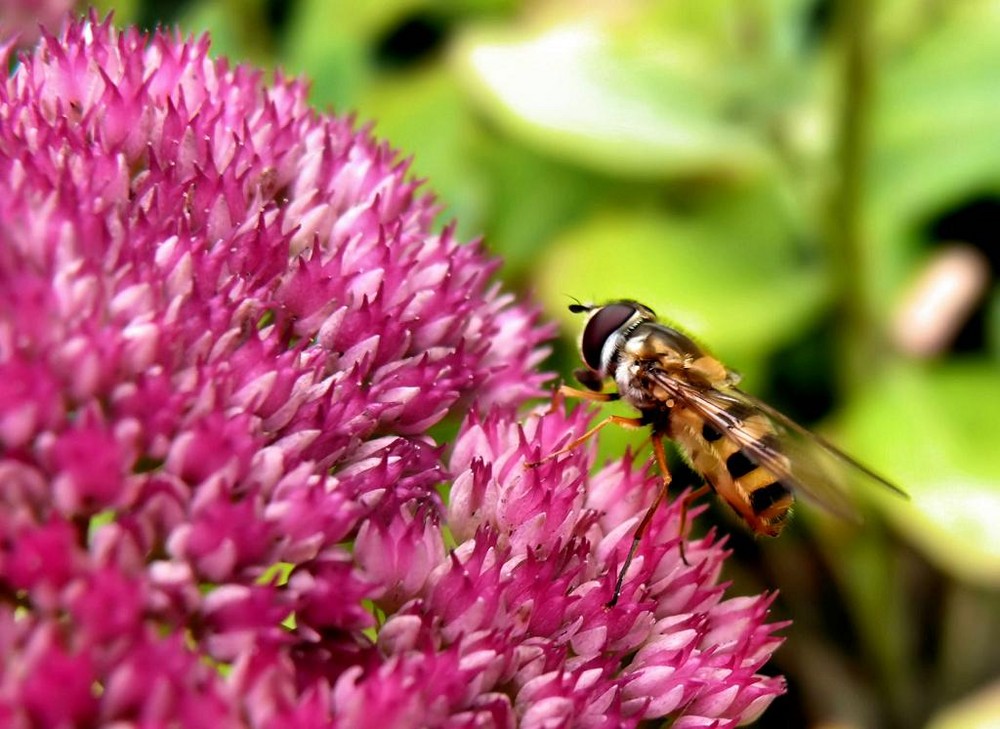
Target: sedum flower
[[227, 328]]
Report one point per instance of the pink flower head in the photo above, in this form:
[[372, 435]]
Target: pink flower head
[[226, 328]]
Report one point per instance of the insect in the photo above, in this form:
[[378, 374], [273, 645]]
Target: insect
[[755, 458]]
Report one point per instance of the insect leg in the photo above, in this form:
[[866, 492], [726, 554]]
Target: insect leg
[[661, 462], [588, 394], [689, 499], [629, 423]]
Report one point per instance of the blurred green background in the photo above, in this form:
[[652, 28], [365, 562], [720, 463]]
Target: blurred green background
[[811, 188]]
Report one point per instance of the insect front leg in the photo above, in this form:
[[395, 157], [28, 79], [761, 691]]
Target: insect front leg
[[629, 423], [593, 396], [567, 391]]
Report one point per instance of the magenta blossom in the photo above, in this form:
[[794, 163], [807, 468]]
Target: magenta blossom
[[226, 328]]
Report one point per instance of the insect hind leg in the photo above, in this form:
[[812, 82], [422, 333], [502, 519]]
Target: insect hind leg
[[685, 504]]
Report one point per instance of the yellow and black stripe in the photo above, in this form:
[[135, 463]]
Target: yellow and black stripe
[[755, 493]]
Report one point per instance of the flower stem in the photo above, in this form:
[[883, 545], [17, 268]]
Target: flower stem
[[847, 235]]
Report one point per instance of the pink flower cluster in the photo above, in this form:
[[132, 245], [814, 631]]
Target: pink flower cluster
[[226, 329]]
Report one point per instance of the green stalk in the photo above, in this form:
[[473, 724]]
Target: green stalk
[[870, 572], [846, 235]]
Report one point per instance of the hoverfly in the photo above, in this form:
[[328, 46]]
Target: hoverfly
[[751, 455]]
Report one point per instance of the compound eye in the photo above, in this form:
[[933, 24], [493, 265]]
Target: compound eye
[[602, 324]]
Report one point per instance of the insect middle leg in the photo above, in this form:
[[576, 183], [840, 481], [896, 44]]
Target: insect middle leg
[[661, 462], [661, 493]]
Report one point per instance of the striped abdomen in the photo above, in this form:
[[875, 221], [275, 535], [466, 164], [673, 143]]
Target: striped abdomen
[[755, 493]]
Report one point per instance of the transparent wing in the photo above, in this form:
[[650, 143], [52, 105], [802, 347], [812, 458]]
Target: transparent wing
[[800, 459]]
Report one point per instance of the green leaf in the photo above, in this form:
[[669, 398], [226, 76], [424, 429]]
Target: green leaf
[[728, 273], [236, 27], [934, 432], [534, 198], [331, 41], [936, 114], [574, 91], [521, 199], [424, 116], [126, 11]]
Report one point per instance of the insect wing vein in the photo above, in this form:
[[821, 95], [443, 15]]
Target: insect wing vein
[[801, 459], [820, 444]]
